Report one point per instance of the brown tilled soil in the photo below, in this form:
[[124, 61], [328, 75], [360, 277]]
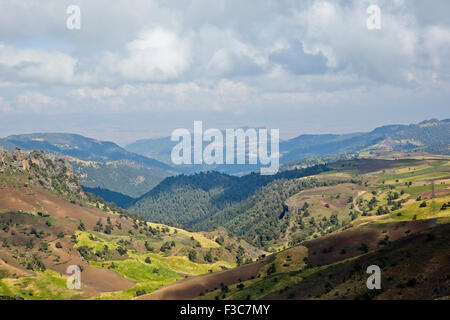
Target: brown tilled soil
[[33, 200], [342, 245], [94, 280], [350, 239], [415, 267], [191, 288]]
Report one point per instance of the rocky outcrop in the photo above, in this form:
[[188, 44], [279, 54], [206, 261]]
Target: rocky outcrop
[[42, 169]]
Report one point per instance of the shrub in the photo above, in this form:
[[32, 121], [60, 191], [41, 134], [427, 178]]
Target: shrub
[[208, 257], [364, 248], [272, 269], [121, 251], [192, 255], [140, 292], [81, 226]]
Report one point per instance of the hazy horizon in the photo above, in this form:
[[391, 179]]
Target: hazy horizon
[[123, 142]]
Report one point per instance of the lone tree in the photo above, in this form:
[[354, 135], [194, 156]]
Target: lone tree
[[192, 255]]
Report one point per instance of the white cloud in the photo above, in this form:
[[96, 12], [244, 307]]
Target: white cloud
[[5, 107], [37, 65], [437, 45], [36, 102], [156, 55]]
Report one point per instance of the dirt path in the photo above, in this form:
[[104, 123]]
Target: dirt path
[[355, 202]]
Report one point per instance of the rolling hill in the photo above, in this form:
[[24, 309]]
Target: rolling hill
[[308, 232], [398, 218], [384, 208], [294, 205], [47, 223], [248, 206], [414, 266]]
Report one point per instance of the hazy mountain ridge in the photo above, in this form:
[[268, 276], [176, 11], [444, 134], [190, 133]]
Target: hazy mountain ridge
[[77, 146], [430, 135], [106, 165], [98, 164]]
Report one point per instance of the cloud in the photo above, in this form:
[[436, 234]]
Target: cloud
[[226, 55], [36, 102], [4, 106], [36, 65], [156, 55], [233, 59], [437, 46], [296, 60]]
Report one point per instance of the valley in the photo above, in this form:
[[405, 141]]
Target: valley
[[307, 232], [407, 238], [48, 223]]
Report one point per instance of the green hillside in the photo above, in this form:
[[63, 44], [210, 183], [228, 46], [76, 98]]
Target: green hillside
[[48, 223], [397, 218], [295, 205], [250, 206]]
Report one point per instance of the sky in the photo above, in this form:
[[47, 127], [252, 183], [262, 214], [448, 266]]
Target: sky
[[140, 69]]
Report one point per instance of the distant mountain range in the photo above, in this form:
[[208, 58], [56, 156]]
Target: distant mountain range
[[98, 164], [430, 136], [77, 146], [140, 166]]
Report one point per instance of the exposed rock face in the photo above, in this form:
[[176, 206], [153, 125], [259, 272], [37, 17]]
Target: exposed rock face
[[45, 170]]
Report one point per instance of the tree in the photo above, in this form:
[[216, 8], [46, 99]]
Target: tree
[[149, 247], [43, 246], [121, 251], [140, 292], [208, 257], [165, 247], [364, 248], [192, 255], [272, 269], [81, 226], [108, 229]]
